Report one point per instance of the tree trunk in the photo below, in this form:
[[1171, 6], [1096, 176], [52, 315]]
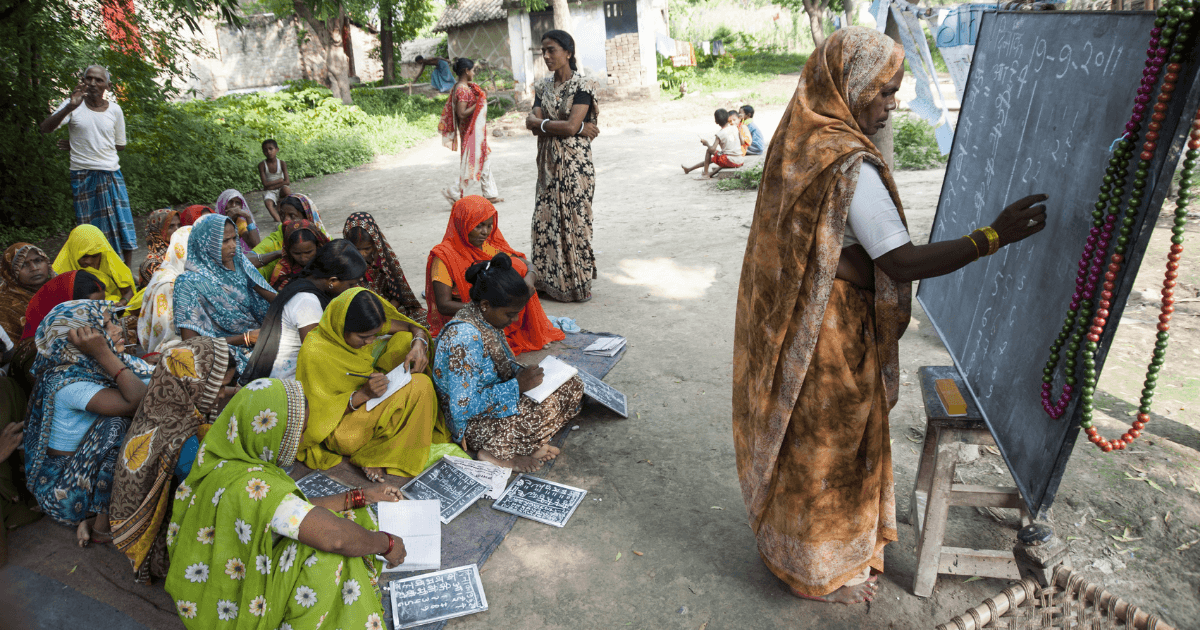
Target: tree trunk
[[329, 34], [386, 50], [816, 23], [348, 46], [848, 16], [562, 15]]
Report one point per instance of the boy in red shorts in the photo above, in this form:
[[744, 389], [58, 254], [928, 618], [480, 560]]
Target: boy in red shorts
[[725, 151]]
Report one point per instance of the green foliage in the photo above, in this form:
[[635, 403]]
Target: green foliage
[[915, 144], [746, 179], [734, 71]]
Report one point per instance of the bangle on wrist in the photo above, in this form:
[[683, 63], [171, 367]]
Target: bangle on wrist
[[351, 403], [581, 126], [246, 339], [359, 500], [993, 239], [975, 244], [391, 545], [252, 226], [543, 125], [118, 374]]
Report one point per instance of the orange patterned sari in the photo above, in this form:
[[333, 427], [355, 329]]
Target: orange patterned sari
[[816, 359]]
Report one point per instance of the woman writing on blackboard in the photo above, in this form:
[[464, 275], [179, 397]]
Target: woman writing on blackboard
[[824, 296]]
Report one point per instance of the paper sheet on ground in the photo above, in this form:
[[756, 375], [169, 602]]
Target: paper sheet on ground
[[605, 346], [554, 374], [397, 378], [417, 524], [486, 473]]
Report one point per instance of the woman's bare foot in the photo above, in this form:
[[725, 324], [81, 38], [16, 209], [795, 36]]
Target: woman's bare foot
[[856, 594], [373, 474], [546, 453], [520, 463], [686, 170], [83, 534]]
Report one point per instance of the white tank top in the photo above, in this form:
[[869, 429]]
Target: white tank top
[[277, 176]]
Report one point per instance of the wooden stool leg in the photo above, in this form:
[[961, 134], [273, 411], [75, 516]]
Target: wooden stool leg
[[924, 476], [929, 546]]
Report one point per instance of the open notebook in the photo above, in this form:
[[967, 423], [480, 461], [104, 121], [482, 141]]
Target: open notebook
[[417, 524], [554, 373], [397, 378]]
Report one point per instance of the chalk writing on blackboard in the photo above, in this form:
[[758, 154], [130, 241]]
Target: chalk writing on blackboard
[[540, 500], [316, 484], [604, 394], [446, 483], [437, 596]]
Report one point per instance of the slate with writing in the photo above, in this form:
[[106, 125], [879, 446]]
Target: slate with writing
[[1047, 94], [316, 484], [446, 483], [540, 500], [604, 394], [437, 596]]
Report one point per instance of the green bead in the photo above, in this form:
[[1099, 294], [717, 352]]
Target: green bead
[[1192, 154], [1103, 197], [1122, 241], [1153, 369], [1176, 58], [1091, 346], [1090, 390], [1117, 192], [1047, 379], [1144, 409], [1139, 184], [1183, 203], [1147, 393], [1189, 163], [1181, 221], [1177, 231], [1070, 380], [1098, 215], [1183, 193], [1100, 206], [1178, 240], [1120, 249], [1128, 221], [1087, 407], [1125, 145], [1125, 231], [1163, 335]]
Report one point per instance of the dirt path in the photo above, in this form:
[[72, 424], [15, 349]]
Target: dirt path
[[663, 482]]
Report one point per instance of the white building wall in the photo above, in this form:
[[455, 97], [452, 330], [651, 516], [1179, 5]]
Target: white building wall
[[587, 27]]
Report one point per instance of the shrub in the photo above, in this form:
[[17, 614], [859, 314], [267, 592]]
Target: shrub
[[915, 144], [746, 179]]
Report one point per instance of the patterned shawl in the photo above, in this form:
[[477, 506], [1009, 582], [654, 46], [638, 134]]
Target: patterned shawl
[[210, 299], [219, 538], [533, 330], [384, 275], [181, 399], [156, 321], [156, 243], [15, 297], [86, 240], [286, 269], [223, 203], [474, 136], [792, 253], [60, 363], [191, 214], [59, 289]]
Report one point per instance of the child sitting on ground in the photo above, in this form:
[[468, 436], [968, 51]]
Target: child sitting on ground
[[726, 149], [735, 120], [275, 181], [757, 146]]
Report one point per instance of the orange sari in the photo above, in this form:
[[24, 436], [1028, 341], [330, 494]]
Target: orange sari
[[532, 330], [816, 359]]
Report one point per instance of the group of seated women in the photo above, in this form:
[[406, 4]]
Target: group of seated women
[[177, 447]]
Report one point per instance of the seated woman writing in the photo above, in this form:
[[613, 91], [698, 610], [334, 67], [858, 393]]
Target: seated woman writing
[[298, 308], [384, 274], [473, 235], [156, 320], [87, 248], [343, 364], [220, 294], [188, 389], [300, 242], [481, 384], [85, 393], [247, 546]]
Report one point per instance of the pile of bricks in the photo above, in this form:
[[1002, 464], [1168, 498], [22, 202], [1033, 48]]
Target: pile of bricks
[[624, 60]]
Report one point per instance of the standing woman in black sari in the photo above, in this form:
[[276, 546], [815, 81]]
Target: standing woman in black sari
[[564, 117]]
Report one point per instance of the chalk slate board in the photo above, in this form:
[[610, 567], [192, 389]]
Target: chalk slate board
[[315, 485], [604, 394], [540, 500], [443, 481], [1047, 94], [437, 596]]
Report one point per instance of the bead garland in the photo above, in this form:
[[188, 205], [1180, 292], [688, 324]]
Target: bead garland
[[1164, 319], [1167, 43]]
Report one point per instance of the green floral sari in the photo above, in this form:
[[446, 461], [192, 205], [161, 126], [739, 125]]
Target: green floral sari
[[228, 568]]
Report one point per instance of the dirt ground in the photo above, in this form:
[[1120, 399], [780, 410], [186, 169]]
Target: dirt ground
[[663, 482]]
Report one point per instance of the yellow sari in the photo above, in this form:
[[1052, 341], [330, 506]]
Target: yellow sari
[[400, 434], [86, 240]]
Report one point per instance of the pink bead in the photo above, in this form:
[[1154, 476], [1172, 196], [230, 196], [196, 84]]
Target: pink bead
[[1130, 127], [1074, 306], [1087, 295], [1156, 31], [1139, 108], [1136, 118], [1092, 239], [1161, 52], [1110, 219], [1153, 42], [1075, 297]]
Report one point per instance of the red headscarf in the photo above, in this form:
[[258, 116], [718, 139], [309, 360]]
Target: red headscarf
[[59, 289], [532, 330], [286, 269], [191, 214]]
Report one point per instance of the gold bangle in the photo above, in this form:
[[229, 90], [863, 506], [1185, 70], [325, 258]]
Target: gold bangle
[[992, 237], [974, 244]]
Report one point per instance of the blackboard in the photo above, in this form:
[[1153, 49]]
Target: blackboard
[[443, 481], [540, 500], [604, 394], [1047, 94], [316, 484], [437, 596]]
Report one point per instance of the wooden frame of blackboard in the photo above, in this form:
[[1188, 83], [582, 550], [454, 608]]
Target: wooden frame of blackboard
[[498, 504], [1039, 494], [475, 580]]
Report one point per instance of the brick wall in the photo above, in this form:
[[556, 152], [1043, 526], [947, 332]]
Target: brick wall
[[624, 61]]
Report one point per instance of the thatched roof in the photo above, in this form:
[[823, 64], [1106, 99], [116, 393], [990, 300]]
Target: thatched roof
[[466, 12]]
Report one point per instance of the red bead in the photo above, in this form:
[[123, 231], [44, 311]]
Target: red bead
[[1194, 144], [1172, 265], [1168, 301], [1165, 318], [1172, 273], [1093, 438], [1168, 292], [1146, 156], [1164, 327], [1174, 256], [1091, 431], [1160, 107], [1163, 98], [1100, 322], [1106, 294], [1109, 286], [1119, 445], [1167, 88], [1110, 276], [1106, 447], [1149, 146], [1158, 117], [1096, 330], [1102, 312], [1133, 434], [1169, 283], [1143, 417], [1168, 308], [1173, 68], [1138, 426], [1154, 126], [1105, 304], [1152, 136], [1093, 337], [1118, 258], [1177, 248]]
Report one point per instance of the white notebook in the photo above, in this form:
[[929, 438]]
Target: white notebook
[[417, 524], [397, 378], [605, 346], [554, 374]]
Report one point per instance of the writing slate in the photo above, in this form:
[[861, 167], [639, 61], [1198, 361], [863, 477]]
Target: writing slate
[[316, 484], [445, 482], [1047, 94], [437, 596], [604, 394], [540, 500]]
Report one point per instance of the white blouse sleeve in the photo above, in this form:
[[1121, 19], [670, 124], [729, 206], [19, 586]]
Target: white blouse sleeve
[[288, 516], [873, 220]]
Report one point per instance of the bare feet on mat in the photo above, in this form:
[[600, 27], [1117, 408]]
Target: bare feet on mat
[[546, 453], [856, 594], [85, 534], [374, 474], [520, 463]]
